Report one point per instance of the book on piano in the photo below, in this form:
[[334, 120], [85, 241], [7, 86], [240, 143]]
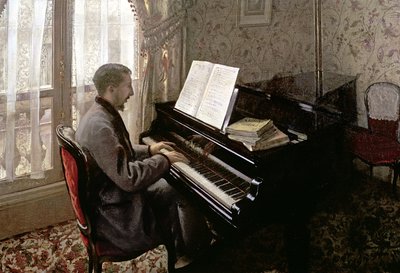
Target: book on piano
[[208, 93], [279, 138], [250, 127], [257, 134], [253, 139]]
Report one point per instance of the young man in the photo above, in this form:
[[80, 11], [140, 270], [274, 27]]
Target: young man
[[135, 209]]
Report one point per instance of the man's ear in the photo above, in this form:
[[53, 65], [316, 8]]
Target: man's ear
[[110, 88]]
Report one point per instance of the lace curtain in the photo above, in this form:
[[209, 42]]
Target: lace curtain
[[163, 52], [103, 32], [20, 83]]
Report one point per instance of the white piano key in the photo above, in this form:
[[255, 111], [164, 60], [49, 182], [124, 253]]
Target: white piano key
[[207, 185]]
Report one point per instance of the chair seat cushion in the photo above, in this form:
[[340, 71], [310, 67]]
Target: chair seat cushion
[[375, 149]]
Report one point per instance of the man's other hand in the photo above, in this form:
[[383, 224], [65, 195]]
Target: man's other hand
[[174, 156], [161, 147]]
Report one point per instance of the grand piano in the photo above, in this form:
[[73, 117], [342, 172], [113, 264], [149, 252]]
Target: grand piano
[[239, 189]]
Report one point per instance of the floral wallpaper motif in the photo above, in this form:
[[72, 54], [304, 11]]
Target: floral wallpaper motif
[[359, 37], [285, 46], [362, 37]]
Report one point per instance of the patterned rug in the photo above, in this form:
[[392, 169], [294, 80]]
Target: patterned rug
[[356, 228], [59, 249]]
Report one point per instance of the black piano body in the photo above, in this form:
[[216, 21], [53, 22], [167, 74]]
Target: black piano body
[[284, 182]]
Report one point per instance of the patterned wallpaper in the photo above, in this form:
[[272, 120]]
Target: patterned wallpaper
[[360, 37], [284, 46]]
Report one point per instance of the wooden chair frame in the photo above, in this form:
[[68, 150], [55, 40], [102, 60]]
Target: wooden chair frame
[[66, 141], [386, 129]]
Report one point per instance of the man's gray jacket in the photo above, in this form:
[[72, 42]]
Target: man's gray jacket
[[123, 216]]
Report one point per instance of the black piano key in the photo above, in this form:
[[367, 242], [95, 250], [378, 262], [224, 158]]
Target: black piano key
[[228, 182], [221, 182], [231, 190], [234, 191], [238, 196]]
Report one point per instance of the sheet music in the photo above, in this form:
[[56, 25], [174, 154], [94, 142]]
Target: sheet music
[[215, 102], [193, 89]]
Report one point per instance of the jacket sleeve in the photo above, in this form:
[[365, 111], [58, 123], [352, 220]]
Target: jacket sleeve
[[141, 151], [112, 159]]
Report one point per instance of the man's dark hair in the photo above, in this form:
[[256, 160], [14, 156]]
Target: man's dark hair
[[109, 74]]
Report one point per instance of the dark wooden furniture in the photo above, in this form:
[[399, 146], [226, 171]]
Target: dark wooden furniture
[[280, 184]]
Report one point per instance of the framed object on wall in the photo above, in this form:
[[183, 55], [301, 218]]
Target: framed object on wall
[[254, 12]]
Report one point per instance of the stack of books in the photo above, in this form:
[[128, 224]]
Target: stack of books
[[256, 134]]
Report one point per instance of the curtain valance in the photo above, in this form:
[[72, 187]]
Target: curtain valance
[[163, 52], [155, 37], [160, 21]]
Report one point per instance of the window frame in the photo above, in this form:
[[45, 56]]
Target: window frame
[[60, 93]]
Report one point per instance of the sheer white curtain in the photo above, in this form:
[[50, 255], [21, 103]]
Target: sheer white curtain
[[103, 31], [22, 79]]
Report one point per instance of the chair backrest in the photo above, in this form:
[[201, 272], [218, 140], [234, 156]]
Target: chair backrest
[[382, 102], [76, 174]]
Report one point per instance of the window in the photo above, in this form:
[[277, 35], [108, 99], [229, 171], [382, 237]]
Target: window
[[51, 53]]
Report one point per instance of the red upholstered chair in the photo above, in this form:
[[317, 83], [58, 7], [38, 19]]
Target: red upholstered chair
[[77, 176], [378, 145]]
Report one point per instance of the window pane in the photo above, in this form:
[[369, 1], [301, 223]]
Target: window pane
[[104, 37], [46, 132], [22, 150], [46, 79], [102, 32], [90, 94], [18, 104], [24, 37]]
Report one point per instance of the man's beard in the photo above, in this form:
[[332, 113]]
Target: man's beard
[[121, 107]]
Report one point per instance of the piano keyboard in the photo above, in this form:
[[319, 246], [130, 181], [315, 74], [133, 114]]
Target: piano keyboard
[[224, 183]]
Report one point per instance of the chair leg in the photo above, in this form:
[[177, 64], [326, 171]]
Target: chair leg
[[97, 267], [396, 169], [171, 255], [97, 264], [90, 270]]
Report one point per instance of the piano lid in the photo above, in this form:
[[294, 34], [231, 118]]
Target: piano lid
[[301, 87]]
